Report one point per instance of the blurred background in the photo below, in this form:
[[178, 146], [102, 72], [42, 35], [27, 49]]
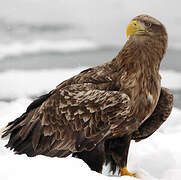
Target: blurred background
[[43, 42]]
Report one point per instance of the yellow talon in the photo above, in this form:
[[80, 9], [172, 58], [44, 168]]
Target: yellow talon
[[125, 172]]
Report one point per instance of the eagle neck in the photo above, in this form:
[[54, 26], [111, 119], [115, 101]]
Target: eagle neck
[[139, 74], [140, 53]]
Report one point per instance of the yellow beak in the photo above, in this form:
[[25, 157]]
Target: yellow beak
[[135, 27]]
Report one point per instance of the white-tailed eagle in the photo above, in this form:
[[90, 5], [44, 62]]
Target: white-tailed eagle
[[96, 114]]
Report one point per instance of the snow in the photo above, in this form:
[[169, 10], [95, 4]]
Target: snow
[[45, 168], [156, 158], [171, 79], [34, 82]]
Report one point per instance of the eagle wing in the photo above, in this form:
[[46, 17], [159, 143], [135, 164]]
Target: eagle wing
[[74, 117], [105, 77], [158, 117]]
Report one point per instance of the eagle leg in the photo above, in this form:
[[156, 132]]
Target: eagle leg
[[118, 149], [94, 158]]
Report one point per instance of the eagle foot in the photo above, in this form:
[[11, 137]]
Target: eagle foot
[[125, 172]]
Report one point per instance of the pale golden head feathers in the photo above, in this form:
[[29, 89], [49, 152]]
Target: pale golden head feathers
[[145, 25]]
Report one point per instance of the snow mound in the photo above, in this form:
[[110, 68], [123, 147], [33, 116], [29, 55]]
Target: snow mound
[[41, 167]]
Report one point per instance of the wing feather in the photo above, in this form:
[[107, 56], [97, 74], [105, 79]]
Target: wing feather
[[76, 115], [74, 118], [82, 112], [158, 117]]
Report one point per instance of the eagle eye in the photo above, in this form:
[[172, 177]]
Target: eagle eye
[[148, 24]]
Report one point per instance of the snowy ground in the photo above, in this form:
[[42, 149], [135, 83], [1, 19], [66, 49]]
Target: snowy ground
[[156, 158]]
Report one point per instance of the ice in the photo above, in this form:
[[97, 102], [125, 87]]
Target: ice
[[19, 83], [171, 79], [19, 48], [10, 110]]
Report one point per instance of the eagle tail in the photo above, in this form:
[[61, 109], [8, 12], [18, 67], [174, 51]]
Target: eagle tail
[[14, 128], [24, 135], [16, 142], [33, 142]]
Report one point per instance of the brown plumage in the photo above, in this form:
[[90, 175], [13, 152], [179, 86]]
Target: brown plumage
[[102, 107], [103, 152]]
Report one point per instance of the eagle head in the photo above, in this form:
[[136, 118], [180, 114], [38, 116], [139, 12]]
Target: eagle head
[[145, 29]]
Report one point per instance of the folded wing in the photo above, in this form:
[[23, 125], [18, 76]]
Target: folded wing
[[74, 118]]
